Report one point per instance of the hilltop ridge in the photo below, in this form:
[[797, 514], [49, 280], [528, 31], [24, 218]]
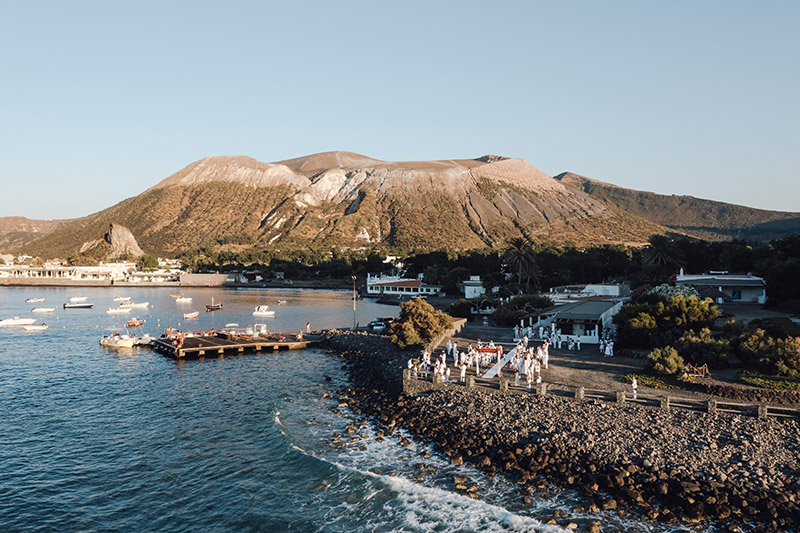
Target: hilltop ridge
[[349, 200]]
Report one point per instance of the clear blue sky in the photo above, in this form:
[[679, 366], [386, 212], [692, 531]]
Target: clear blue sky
[[101, 100]]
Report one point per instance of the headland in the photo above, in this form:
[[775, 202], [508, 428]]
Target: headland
[[674, 466]]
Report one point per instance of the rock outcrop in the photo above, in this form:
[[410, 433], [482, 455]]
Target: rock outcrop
[[117, 242]]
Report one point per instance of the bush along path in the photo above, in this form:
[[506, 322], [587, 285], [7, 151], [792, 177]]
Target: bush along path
[[671, 466]]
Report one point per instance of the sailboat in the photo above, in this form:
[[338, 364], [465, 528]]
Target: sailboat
[[213, 306]]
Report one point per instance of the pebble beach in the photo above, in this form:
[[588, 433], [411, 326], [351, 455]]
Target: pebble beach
[[722, 472]]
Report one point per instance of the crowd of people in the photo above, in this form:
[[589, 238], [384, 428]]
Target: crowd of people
[[526, 363]]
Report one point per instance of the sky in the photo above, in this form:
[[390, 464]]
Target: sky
[[102, 100]]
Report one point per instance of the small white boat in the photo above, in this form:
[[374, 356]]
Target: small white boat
[[183, 300], [122, 299], [132, 304], [232, 325], [190, 316], [263, 310], [76, 299], [118, 310], [16, 321], [36, 327], [34, 300], [78, 305], [43, 309], [117, 341]]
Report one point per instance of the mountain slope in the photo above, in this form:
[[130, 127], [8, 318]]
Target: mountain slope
[[705, 219], [348, 200], [16, 232]]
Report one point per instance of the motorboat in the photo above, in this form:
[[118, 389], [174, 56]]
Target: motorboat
[[34, 300], [79, 305], [213, 306], [134, 322], [263, 310], [133, 304], [281, 302], [36, 327], [76, 299], [183, 300], [117, 341], [232, 325], [43, 309], [192, 315], [144, 340], [122, 299], [118, 310], [16, 321]]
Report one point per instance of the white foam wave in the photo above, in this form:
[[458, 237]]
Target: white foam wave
[[422, 508]]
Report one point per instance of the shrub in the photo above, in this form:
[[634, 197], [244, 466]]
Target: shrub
[[756, 379], [667, 291], [418, 323], [778, 327], [665, 361], [771, 355], [462, 309], [657, 322], [704, 349], [530, 301], [655, 381], [507, 315]]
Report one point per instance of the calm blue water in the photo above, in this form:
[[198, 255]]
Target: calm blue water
[[96, 440]]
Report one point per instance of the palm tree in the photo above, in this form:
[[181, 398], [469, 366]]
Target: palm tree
[[519, 256], [662, 252]]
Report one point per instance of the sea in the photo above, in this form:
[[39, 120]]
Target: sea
[[93, 439]]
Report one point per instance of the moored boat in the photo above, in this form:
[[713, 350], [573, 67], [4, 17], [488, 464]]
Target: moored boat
[[117, 341], [76, 299], [263, 310], [36, 327], [16, 321], [122, 299], [78, 305], [213, 306], [189, 316], [134, 322], [34, 300], [183, 300], [43, 309], [118, 310], [133, 304]]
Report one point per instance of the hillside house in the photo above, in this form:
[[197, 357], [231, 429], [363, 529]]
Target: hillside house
[[724, 287]]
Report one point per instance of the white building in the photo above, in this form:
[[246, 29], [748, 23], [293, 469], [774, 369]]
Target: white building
[[571, 293], [103, 271], [473, 287], [583, 320], [381, 285], [724, 287]]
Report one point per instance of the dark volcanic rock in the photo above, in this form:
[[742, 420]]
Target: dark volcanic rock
[[665, 465]]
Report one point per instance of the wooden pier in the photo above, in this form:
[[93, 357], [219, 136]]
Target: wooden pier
[[220, 344]]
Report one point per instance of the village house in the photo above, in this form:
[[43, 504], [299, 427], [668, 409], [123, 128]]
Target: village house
[[383, 285], [724, 287]]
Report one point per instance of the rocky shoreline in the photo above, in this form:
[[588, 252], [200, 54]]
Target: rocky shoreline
[[676, 467]]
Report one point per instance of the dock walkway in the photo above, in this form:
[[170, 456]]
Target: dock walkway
[[226, 344]]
